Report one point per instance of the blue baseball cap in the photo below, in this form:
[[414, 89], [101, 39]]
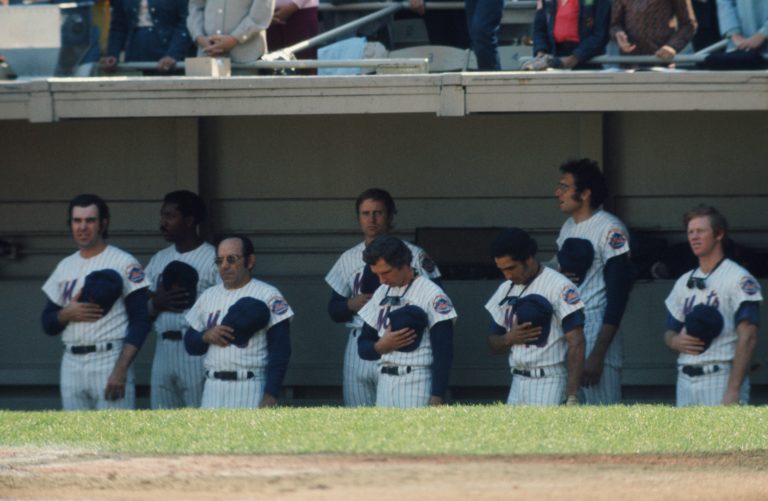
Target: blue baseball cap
[[179, 275], [103, 287], [538, 310], [704, 322], [409, 316], [576, 256], [246, 317]]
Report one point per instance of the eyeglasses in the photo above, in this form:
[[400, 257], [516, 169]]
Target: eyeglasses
[[509, 301], [698, 282], [231, 259], [563, 187], [390, 300]]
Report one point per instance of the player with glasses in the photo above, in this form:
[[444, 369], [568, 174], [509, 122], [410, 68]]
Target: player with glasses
[[712, 365]]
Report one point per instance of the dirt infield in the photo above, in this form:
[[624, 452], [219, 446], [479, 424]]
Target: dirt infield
[[61, 474]]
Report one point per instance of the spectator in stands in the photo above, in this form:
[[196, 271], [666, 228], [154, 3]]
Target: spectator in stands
[[230, 28], [707, 29], [444, 26], [568, 33], [484, 22], [148, 30], [745, 23], [294, 21], [659, 27]]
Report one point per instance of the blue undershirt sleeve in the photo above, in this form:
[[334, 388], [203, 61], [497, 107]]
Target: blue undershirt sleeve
[[338, 309], [573, 321], [496, 329], [441, 338], [673, 324], [749, 311], [366, 343], [139, 323], [50, 319], [618, 282], [278, 354], [193, 342]]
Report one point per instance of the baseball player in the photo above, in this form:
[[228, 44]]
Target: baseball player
[[714, 374], [546, 370], [247, 374], [605, 284], [375, 213], [177, 377], [100, 342], [413, 366]]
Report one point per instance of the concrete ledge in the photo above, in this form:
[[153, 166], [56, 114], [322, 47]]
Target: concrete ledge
[[449, 94]]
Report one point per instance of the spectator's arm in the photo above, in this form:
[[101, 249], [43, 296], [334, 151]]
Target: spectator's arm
[[728, 18], [594, 43], [119, 27], [617, 18], [686, 25], [196, 19], [258, 19], [540, 33], [180, 40]]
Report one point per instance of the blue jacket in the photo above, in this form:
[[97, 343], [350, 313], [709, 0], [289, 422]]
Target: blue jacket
[[594, 22], [170, 27]]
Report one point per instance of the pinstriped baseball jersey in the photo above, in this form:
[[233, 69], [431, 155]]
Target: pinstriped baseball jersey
[[563, 296], [177, 377], [421, 292], [212, 306], [346, 274], [609, 238], [726, 288], [201, 259], [67, 280]]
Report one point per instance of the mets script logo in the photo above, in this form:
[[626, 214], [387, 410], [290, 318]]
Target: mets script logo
[[442, 304], [617, 240], [135, 273], [278, 305], [570, 295], [749, 285]]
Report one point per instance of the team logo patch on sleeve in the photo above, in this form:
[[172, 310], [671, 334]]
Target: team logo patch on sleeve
[[135, 273], [278, 305], [749, 285], [570, 295], [442, 304], [617, 239]]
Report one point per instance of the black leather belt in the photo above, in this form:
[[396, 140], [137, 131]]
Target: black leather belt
[[529, 373], [394, 370], [88, 348], [698, 370], [171, 335], [229, 375]]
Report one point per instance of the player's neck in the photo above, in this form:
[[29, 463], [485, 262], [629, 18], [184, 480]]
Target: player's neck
[[94, 250], [582, 213], [710, 261], [188, 243]]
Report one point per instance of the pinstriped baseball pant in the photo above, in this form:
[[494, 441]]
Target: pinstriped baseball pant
[[360, 376], [177, 377], [405, 390], [84, 379], [544, 391], [707, 389], [245, 393]]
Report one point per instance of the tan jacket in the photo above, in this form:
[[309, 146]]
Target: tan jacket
[[246, 20]]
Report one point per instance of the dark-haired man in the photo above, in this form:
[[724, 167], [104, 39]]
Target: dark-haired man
[[99, 344], [177, 377], [247, 374], [375, 214], [714, 374], [413, 366], [604, 287], [546, 358]]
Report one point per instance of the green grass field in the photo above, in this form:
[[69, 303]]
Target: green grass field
[[490, 430]]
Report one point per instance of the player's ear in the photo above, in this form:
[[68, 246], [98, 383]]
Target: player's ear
[[585, 194], [251, 262]]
